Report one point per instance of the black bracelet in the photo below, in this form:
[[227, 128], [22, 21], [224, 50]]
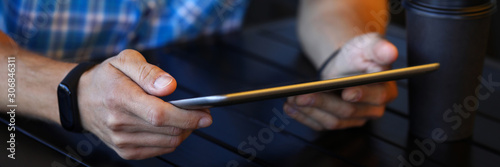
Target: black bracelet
[[67, 96], [323, 66]]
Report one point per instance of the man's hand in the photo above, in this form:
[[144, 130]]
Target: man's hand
[[328, 111], [118, 103]]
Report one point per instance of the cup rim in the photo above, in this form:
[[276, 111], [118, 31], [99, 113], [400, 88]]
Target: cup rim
[[471, 12]]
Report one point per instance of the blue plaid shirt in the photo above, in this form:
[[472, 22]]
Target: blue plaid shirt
[[79, 30]]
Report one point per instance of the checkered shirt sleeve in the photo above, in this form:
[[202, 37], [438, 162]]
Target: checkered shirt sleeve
[[80, 30]]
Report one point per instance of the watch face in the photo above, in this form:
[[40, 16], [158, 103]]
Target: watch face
[[64, 98]]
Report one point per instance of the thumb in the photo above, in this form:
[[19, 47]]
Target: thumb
[[149, 77], [363, 54]]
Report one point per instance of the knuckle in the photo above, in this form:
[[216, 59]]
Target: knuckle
[[190, 123], [113, 100], [114, 124], [120, 145], [156, 116], [126, 56], [122, 57]]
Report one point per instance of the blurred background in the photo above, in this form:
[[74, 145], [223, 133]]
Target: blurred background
[[262, 11]]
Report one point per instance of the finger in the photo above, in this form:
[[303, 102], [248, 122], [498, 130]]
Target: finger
[[302, 118], [168, 130], [156, 112], [349, 123], [375, 94], [328, 121], [326, 102], [325, 119], [383, 53], [132, 124], [335, 105], [151, 78], [144, 139], [363, 54], [138, 153], [165, 114]]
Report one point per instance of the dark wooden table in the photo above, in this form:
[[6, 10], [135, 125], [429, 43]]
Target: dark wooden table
[[250, 134]]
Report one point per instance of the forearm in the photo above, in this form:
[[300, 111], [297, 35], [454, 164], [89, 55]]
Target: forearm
[[325, 25], [36, 80]]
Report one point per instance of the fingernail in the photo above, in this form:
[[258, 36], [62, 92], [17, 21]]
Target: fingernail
[[204, 122], [385, 52], [354, 97], [163, 81]]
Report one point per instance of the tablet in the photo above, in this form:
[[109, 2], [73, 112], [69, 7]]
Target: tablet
[[302, 88]]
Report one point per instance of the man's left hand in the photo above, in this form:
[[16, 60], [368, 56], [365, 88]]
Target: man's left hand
[[355, 105]]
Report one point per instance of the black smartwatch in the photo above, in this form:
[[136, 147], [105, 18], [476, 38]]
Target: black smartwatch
[[67, 97]]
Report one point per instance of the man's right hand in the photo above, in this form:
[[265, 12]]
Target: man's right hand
[[119, 103]]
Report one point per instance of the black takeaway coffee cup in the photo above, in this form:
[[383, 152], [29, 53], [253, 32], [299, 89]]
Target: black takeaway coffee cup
[[453, 33]]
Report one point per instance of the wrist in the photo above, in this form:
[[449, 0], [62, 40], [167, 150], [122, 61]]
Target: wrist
[[37, 93], [54, 107], [327, 64]]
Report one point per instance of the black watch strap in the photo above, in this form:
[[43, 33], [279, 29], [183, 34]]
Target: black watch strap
[[67, 96]]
